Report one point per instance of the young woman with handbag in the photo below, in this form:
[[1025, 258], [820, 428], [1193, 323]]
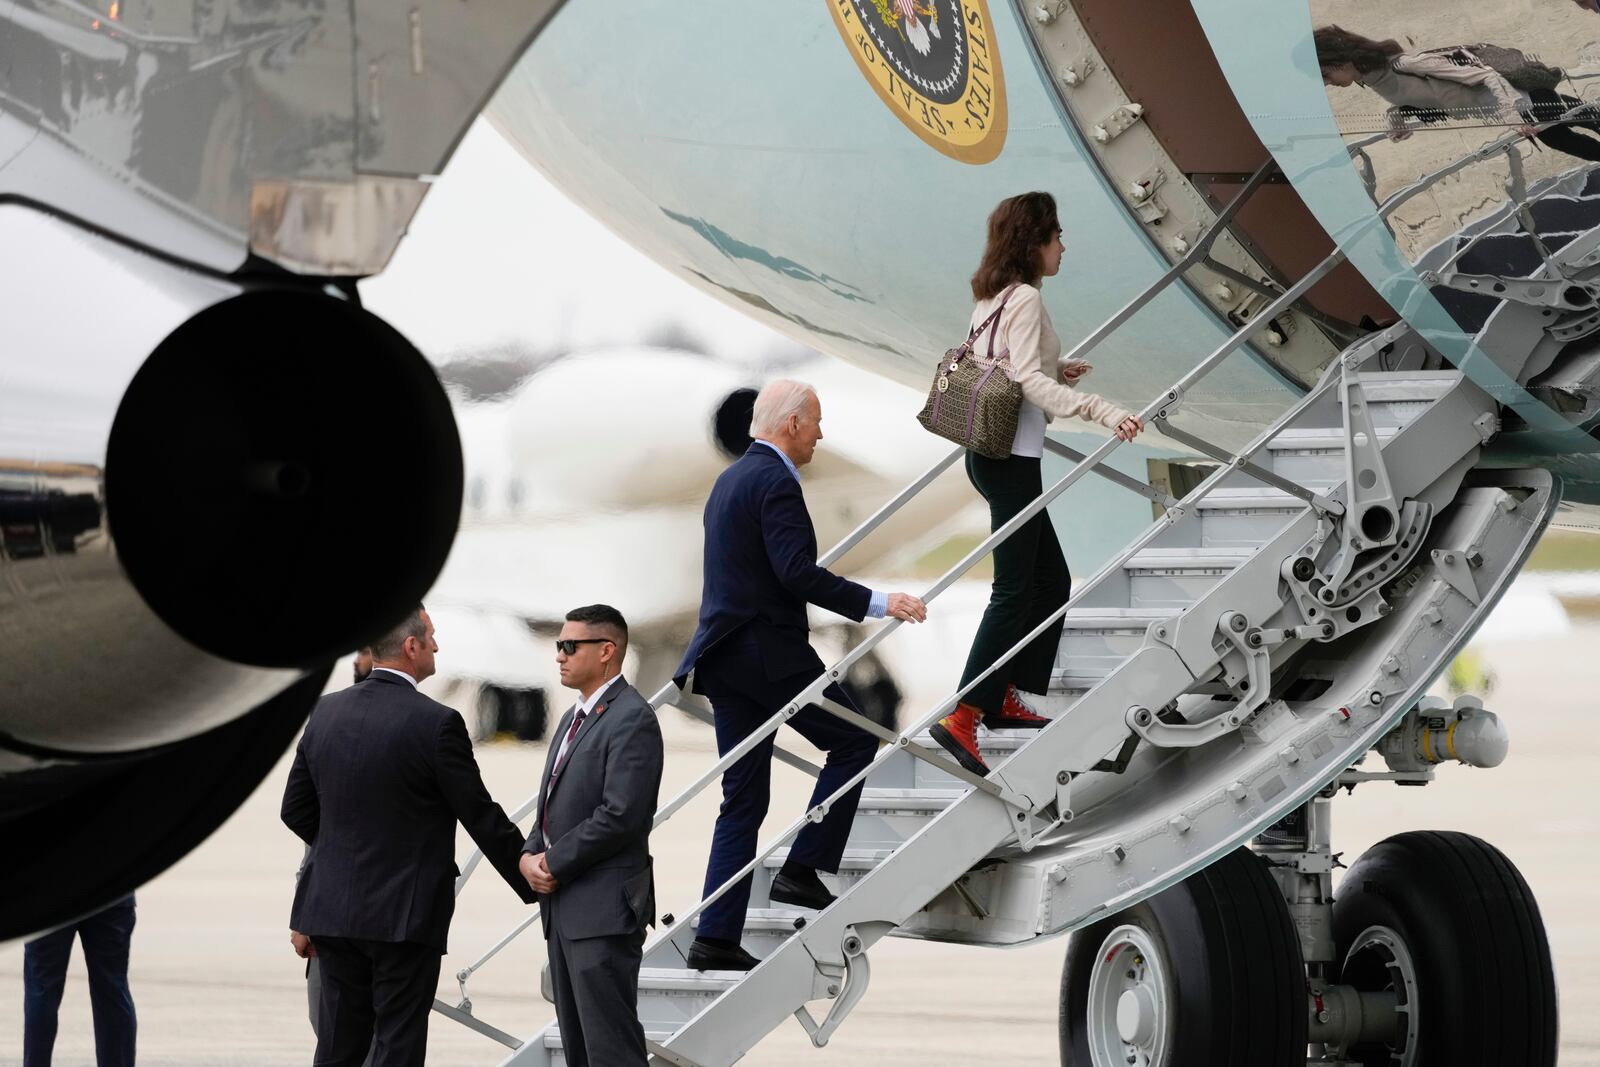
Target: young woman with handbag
[[1459, 82], [1031, 579]]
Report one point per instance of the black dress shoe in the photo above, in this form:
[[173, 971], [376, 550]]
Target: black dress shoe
[[800, 891], [707, 957]]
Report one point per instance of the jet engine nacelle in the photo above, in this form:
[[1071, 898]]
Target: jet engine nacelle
[[692, 410], [210, 486]]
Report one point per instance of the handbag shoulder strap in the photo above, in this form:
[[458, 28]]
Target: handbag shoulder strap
[[991, 321]]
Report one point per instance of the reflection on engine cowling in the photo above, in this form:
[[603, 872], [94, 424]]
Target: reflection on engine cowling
[[209, 489], [51, 509]]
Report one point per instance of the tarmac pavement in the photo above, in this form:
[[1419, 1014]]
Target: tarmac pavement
[[216, 983]]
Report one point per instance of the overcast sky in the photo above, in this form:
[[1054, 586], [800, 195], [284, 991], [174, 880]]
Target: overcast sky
[[496, 254]]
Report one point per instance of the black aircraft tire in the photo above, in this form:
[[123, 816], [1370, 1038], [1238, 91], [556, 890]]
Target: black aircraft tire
[[1485, 986], [1234, 975]]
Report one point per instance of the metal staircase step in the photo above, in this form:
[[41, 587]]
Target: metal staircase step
[[923, 802], [1081, 675], [1095, 640], [671, 996], [887, 816], [681, 980], [855, 864], [1249, 500], [999, 742], [1409, 387], [1244, 518], [1185, 560], [774, 920], [855, 859], [1177, 577], [1314, 455], [1114, 620], [996, 746], [1317, 439], [556, 1052], [767, 928]]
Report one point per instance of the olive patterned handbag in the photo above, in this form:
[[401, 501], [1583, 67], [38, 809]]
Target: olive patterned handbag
[[973, 401]]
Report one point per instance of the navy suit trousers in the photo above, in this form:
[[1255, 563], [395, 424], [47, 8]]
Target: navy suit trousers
[[106, 936], [746, 786]]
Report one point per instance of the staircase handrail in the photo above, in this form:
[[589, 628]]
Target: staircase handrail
[[1159, 408], [951, 699], [1162, 406], [1194, 256]]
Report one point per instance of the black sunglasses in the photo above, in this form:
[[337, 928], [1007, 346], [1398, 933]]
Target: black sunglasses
[[569, 645]]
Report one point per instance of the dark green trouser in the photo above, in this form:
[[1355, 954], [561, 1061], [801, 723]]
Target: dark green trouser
[[1030, 581]]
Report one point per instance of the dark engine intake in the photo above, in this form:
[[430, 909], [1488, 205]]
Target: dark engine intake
[[209, 489]]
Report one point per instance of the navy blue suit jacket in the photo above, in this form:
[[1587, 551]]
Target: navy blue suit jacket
[[761, 570]]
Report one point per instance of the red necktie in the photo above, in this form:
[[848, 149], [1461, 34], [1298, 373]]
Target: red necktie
[[563, 756], [561, 761]]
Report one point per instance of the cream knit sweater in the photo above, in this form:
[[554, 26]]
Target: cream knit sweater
[[1034, 351]]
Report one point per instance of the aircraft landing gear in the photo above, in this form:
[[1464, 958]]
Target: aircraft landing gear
[[1446, 927], [1433, 955], [1205, 974], [522, 713]]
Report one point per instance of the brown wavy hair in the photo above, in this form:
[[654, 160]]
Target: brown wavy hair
[[1337, 46], [1018, 228]]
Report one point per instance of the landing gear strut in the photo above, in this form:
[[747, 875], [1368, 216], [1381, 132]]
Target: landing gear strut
[[1433, 953]]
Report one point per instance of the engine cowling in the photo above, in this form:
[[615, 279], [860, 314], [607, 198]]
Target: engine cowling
[[210, 487]]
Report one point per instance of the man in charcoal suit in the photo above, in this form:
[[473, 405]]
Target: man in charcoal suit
[[589, 852], [380, 779]]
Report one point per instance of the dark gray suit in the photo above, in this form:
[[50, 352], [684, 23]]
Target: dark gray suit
[[380, 779], [597, 812]]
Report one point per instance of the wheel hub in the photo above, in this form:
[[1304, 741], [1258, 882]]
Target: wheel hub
[[1136, 1012], [1380, 953], [1130, 1017]]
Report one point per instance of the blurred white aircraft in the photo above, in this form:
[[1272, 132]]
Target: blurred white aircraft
[[586, 484]]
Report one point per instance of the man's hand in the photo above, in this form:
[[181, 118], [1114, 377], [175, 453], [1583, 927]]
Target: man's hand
[[906, 608], [1528, 130], [1399, 135], [537, 872], [302, 945]]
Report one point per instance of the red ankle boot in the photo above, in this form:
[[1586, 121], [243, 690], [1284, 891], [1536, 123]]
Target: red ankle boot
[[957, 734]]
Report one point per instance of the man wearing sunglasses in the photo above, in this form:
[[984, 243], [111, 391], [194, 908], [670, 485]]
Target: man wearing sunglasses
[[588, 856], [751, 655]]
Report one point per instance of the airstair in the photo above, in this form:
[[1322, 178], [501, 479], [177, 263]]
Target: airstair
[[1250, 646]]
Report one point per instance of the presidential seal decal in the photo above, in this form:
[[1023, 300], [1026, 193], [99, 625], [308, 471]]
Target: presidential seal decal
[[935, 64]]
